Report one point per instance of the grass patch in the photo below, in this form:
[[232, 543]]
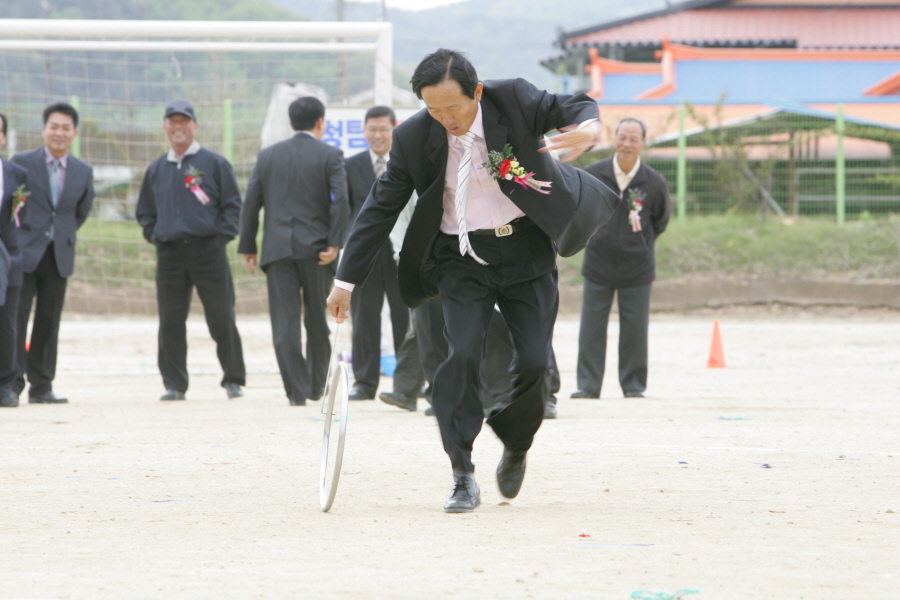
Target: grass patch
[[748, 245]]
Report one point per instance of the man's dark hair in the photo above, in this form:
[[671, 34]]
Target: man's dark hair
[[442, 65], [305, 112], [2, 123], [381, 111], [642, 125], [62, 108]]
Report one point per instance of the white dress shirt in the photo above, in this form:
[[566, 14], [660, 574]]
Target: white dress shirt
[[487, 207], [623, 178]]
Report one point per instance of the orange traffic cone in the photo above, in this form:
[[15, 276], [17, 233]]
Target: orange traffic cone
[[716, 354]]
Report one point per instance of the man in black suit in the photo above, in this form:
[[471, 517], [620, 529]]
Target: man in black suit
[[12, 211], [302, 184], [362, 171], [189, 206], [479, 241], [62, 192], [620, 259]]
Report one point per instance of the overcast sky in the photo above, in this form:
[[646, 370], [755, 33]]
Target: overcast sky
[[415, 4]]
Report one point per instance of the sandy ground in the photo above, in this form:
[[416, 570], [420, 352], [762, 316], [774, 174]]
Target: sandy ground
[[776, 477]]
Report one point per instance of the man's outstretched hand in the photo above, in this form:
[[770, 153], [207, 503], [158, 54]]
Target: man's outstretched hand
[[573, 141], [338, 304]]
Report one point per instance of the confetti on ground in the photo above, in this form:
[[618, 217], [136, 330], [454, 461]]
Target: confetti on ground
[[766, 466], [583, 535], [642, 595], [735, 418]]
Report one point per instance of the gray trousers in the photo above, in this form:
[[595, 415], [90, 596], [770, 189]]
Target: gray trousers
[[634, 320]]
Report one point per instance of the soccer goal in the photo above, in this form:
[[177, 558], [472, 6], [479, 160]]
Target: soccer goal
[[120, 74]]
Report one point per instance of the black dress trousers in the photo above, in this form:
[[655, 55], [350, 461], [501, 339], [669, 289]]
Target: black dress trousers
[[521, 279], [180, 267], [44, 288]]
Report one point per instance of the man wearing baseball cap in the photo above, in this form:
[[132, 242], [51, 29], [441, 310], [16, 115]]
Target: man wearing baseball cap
[[189, 207]]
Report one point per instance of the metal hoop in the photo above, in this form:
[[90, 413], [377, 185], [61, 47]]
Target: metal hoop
[[340, 380]]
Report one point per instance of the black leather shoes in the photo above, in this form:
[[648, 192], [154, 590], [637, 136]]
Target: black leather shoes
[[585, 394], [429, 412], [233, 390], [464, 496], [172, 394], [46, 398], [511, 472], [361, 393], [8, 399], [300, 402], [634, 394], [550, 408], [398, 400]]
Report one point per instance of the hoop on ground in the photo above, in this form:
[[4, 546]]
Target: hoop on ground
[[337, 386]]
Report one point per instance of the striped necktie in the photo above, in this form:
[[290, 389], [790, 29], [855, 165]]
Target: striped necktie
[[380, 166], [462, 194]]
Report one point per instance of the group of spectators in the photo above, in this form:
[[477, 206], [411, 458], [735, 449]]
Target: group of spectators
[[190, 208]]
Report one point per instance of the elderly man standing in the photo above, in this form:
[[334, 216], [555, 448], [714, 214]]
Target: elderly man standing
[[189, 206], [620, 259], [62, 192]]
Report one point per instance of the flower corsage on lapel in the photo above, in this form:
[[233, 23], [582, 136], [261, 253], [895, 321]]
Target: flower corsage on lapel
[[503, 165], [20, 196], [636, 199], [192, 182]]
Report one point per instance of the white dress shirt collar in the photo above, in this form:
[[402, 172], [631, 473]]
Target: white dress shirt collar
[[194, 148], [374, 157], [623, 178]]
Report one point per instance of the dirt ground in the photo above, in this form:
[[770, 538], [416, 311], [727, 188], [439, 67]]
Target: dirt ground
[[776, 477]]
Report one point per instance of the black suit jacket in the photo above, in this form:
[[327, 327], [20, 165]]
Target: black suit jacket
[[13, 177], [302, 184], [616, 255], [74, 207], [514, 112]]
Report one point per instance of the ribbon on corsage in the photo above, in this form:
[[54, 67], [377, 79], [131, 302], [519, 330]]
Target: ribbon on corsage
[[20, 197], [636, 199], [503, 165], [192, 182]]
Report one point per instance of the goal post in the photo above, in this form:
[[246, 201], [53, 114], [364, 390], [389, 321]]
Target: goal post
[[119, 74]]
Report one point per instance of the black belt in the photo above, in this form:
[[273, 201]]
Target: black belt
[[510, 228]]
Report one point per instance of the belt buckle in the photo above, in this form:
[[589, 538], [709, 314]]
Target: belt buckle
[[503, 230]]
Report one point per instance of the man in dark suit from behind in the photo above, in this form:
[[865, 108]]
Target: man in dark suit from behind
[[62, 192], [12, 181], [362, 171], [302, 184], [188, 207], [620, 259], [479, 241]]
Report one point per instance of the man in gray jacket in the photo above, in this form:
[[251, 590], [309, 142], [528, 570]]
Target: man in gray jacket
[[62, 192], [302, 184]]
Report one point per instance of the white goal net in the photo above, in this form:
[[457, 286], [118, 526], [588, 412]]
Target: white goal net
[[120, 74]]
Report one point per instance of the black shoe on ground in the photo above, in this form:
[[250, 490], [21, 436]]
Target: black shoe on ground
[[584, 394], [429, 412], [300, 402], [634, 394], [233, 390], [398, 400], [9, 399], [464, 496], [550, 408], [511, 472], [361, 393], [46, 398], [172, 394]]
